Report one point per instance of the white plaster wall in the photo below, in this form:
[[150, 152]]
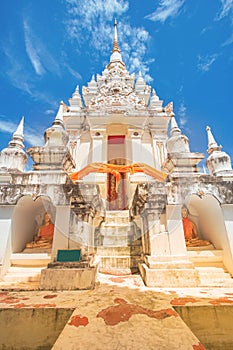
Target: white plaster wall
[[175, 230], [6, 214], [83, 154], [215, 223]]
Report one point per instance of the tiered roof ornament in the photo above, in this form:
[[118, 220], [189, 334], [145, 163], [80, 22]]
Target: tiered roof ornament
[[179, 158], [56, 135], [13, 157], [75, 101], [115, 90], [218, 162]]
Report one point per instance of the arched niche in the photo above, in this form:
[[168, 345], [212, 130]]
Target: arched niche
[[28, 216], [206, 212]]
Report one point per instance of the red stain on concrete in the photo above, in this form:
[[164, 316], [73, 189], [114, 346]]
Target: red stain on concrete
[[20, 306], [183, 301], [220, 301], [117, 279], [136, 283], [39, 306], [78, 320], [199, 347], [122, 312], [50, 296], [10, 300]]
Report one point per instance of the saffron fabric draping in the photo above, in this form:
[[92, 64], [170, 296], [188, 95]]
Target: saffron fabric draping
[[117, 169]]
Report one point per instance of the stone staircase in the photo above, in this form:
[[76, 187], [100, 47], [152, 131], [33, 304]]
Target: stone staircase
[[25, 268], [121, 249], [210, 267]]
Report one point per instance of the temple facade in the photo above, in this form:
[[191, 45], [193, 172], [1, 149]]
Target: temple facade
[[113, 174]]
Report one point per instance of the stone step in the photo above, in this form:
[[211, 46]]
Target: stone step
[[212, 272], [119, 261], [114, 231], [214, 276], [118, 251], [30, 259], [205, 256], [117, 217], [22, 274], [115, 241], [123, 225]]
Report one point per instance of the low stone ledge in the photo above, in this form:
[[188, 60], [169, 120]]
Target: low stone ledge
[[175, 277], [67, 277]]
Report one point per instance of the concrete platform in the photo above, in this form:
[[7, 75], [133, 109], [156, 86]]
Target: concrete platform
[[120, 313]]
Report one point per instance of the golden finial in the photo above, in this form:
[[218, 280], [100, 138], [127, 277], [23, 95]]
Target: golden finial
[[115, 42]]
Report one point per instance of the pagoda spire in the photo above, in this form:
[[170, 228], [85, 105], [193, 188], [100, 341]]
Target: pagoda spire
[[218, 162], [18, 136], [13, 157], [116, 55], [212, 144], [115, 41], [19, 130], [174, 130], [59, 116]]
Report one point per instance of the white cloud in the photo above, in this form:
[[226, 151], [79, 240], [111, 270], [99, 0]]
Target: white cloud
[[166, 9], [31, 136], [16, 72], [96, 18], [182, 115], [40, 58], [50, 112], [73, 72], [32, 51], [226, 9], [205, 62]]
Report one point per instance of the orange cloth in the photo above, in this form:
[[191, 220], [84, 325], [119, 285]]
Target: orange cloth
[[189, 228], [117, 169], [46, 232]]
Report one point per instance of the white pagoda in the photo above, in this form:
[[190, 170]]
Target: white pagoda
[[114, 173]]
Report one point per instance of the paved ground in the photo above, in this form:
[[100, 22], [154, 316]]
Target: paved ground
[[120, 313]]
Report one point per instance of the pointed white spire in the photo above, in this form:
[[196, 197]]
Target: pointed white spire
[[13, 157], [212, 144], [76, 100], [116, 55], [174, 127], [140, 83], [18, 136], [19, 130], [218, 162], [59, 116], [92, 85]]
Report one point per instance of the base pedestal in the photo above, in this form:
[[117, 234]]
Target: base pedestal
[[64, 278], [168, 272]]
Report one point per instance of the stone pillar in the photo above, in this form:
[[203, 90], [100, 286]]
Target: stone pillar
[[97, 147], [6, 216], [167, 265], [175, 230], [61, 230], [159, 152]]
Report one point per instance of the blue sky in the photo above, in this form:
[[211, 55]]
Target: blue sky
[[183, 48]]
